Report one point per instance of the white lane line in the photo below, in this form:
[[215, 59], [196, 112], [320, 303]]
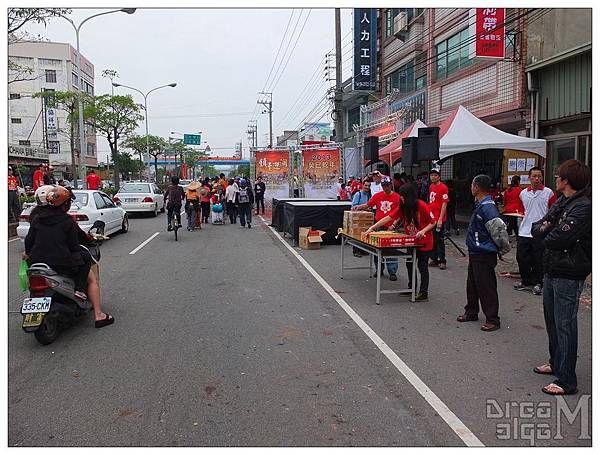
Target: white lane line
[[14, 240], [438, 405], [144, 243]]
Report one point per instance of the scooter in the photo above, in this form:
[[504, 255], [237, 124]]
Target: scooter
[[52, 304]]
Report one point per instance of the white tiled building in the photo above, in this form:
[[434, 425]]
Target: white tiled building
[[33, 126]]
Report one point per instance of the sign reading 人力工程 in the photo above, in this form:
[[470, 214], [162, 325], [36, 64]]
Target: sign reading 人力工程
[[365, 49]]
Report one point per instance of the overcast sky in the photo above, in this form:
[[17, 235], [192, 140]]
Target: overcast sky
[[220, 60]]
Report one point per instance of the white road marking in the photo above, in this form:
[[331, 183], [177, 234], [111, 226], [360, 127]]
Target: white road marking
[[434, 401], [144, 243], [14, 240]]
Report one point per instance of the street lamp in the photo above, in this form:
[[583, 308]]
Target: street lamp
[[82, 170], [172, 84]]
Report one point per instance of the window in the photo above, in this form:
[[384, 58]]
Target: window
[[24, 142], [402, 79], [559, 151], [100, 203], [107, 201], [390, 14], [90, 149], [15, 120], [50, 75], [15, 96], [452, 54], [75, 80], [353, 118]]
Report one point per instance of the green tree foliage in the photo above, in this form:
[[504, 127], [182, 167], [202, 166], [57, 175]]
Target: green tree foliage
[[156, 147], [114, 117], [127, 164]]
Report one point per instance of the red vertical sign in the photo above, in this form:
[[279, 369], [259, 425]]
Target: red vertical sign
[[490, 32]]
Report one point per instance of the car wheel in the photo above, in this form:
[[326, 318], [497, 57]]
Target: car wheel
[[125, 225]]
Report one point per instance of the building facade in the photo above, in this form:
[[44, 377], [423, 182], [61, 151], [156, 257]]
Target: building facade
[[35, 124], [559, 77]]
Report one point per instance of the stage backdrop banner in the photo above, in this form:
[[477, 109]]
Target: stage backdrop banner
[[273, 167], [321, 170]]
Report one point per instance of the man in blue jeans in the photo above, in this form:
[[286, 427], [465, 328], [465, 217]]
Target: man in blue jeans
[[566, 231]]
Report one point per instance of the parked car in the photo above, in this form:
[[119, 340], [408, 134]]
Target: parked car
[[88, 206], [184, 184], [107, 184], [140, 197]]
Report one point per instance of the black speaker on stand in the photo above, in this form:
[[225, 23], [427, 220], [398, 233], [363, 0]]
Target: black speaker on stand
[[372, 148], [428, 144], [409, 153]]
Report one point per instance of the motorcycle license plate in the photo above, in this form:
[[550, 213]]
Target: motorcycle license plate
[[36, 305], [33, 319]]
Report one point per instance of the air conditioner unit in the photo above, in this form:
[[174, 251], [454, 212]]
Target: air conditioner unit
[[401, 25]]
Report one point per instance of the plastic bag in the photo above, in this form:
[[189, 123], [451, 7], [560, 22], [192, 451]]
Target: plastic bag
[[23, 281]]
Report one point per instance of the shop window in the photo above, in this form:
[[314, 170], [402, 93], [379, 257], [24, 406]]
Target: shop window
[[559, 151], [353, 118]]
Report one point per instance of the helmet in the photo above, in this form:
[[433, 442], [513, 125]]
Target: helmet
[[41, 193], [58, 195]]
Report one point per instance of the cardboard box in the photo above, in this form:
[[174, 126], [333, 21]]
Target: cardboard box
[[309, 239], [358, 220], [386, 239]]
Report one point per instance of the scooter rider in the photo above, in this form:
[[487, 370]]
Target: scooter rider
[[54, 239]]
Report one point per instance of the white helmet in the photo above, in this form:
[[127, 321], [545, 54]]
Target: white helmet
[[41, 193]]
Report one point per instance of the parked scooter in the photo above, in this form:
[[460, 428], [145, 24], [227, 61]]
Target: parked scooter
[[52, 304]]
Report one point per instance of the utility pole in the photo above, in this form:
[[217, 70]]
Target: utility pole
[[268, 103], [339, 120]]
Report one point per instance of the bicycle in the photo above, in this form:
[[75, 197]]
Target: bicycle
[[175, 223]]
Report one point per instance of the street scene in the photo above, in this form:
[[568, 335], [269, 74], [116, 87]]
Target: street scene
[[377, 233]]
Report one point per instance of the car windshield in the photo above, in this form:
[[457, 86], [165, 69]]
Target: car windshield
[[185, 182], [80, 198], [135, 188]]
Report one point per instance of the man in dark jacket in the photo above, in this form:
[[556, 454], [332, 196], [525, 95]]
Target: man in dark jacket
[[566, 231], [259, 194], [244, 200], [486, 240], [174, 195]]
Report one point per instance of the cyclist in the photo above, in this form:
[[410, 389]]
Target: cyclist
[[54, 239], [176, 196]]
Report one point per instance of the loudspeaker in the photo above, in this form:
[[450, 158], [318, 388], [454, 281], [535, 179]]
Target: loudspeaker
[[429, 144], [409, 151], [372, 148]]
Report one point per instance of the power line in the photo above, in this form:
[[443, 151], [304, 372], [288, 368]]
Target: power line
[[279, 49]]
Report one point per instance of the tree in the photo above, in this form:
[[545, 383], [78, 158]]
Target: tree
[[127, 164], [17, 19], [156, 146], [243, 169], [114, 117], [68, 102]]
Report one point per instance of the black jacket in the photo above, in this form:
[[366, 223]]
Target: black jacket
[[54, 238], [259, 190], [568, 237]]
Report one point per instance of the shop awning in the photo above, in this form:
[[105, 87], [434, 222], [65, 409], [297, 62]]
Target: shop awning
[[463, 132], [393, 151]]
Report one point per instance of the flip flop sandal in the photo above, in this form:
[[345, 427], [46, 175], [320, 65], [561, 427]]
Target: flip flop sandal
[[81, 295], [108, 320], [543, 369], [555, 389]]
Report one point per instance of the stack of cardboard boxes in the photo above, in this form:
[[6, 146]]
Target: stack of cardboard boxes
[[355, 223], [390, 239]]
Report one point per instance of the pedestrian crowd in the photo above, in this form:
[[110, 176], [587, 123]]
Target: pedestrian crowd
[[215, 199], [553, 239]]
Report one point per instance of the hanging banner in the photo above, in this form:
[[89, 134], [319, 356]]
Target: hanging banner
[[488, 27], [365, 49], [273, 167], [321, 170], [51, 124]]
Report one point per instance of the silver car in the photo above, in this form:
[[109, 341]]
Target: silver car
[[88, 206], [140, 197]]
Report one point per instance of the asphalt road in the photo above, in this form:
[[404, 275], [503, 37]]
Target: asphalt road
[[225, 339]]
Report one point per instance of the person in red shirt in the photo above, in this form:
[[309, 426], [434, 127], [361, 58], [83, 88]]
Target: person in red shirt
[[438, 202], [385, 203], [355, 185], [14, 207], [343, 194], [513, 205], [418, 220], [93, 181], [38, 177], [205, 193]]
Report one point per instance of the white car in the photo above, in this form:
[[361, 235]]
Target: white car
[[140, 197], [184, 184], [88, 206]]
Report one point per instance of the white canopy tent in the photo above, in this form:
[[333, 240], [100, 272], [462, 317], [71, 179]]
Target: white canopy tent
[[463, 132]]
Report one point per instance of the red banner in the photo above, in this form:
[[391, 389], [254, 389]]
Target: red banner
[[321, 169], [490, 32], [273, 167]]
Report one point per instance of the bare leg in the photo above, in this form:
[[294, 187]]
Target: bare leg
[[93, 292]]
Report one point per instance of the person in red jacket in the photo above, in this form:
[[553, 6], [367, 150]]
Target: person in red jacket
[[38, 177], [438, 203], [93, 181], [513, 206]]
